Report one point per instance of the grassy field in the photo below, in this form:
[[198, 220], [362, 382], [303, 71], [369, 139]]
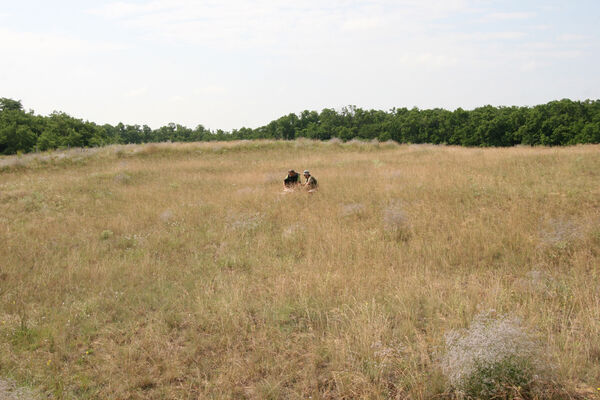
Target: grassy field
[[182, 271]]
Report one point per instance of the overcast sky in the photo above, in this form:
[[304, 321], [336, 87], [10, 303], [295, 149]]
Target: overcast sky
[[227, 64]]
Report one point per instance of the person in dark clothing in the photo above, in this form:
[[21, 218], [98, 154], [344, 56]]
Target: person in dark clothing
[[292, 180]]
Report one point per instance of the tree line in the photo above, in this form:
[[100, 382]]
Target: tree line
[[563, 122]]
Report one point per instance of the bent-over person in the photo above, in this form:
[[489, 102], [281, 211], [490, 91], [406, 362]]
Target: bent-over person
[[292, 180]]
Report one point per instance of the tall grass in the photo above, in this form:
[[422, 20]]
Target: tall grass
[[181, 271]]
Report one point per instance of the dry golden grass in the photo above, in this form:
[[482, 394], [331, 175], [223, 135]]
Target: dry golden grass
[[181, 271]]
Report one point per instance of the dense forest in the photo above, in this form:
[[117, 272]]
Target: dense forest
[[563, 122]]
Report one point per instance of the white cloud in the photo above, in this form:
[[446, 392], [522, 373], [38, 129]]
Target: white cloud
[[51, 44], [549, 50], [533, 46], [572, 37], [510, 16], [428, 60], [210, 90], [533, 65], [240, 24], [489, 36], [566, 54], [176, 99], [361, 24], [541, 27], [136, 92], [118, 10], [502, 35]]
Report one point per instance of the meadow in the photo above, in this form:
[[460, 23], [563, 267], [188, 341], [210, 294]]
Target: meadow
[[182, 271]]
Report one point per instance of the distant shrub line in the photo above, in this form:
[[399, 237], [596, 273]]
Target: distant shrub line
[[556, 123]]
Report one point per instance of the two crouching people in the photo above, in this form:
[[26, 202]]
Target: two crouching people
[[292, 181]]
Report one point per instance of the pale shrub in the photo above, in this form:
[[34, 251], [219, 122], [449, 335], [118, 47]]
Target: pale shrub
[[396, 222], [245, 221], [352, 209], [166, 216], [292, 231], [536, 281], [356, 142], [494, 358], [123, 178], [560, 232], [10, 391], [394, 218]]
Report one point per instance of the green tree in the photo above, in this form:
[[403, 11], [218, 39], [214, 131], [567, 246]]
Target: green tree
[[10, 105], [18, 130]]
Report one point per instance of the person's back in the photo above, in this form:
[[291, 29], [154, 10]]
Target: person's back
[[291, 180]]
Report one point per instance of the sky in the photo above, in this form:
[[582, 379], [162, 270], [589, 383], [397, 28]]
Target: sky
[[232, 63]]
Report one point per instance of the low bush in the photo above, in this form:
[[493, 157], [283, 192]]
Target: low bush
[[494, 358]]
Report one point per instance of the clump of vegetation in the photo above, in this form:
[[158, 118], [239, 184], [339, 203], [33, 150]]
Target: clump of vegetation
[[245, 221], [106, 234], [123, 178], [560, 232], [494, 358], [394, 218], [10, 391], [166, 216], [396, 222], [352, 209]]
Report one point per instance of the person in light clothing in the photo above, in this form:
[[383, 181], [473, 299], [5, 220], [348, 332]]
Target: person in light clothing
[[311, 183]]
